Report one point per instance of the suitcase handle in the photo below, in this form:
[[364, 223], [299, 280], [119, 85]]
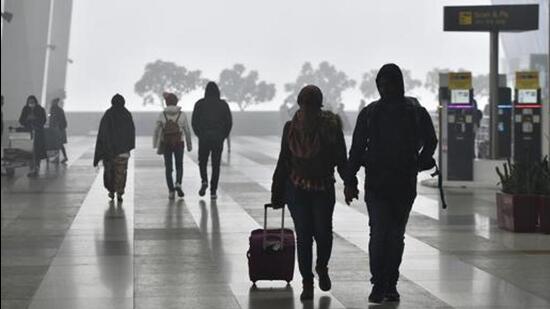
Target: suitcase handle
[[266, 206]]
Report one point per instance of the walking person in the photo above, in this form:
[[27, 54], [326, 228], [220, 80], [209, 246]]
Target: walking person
[[394, 139], [59, 123], [171, 135], [211, 122], [312, 145], [116, 137], [33, 119]]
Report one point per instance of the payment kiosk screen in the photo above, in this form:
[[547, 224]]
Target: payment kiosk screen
[[460, 96], [527, 96]]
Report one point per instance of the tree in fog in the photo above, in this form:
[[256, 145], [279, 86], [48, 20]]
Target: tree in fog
[[244, 89], [331, 81], [410, 82], [370, 91], [162, 76], [368, 85]]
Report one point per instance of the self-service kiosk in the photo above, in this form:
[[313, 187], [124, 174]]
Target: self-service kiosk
[[504, 120], [456, 98], [527, 119]]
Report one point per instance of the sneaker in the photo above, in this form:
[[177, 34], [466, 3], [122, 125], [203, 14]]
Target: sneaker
[[64, 161], [202, 191], [324, 280], [213, 196], [377, 294], [391, 294], [119, 197], [171, 195], [111, 195], [179, 190], [307, 291]]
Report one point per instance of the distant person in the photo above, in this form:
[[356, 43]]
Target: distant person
[[115, 139], [211, 122], [171, 135], [2, 114], [394, 139], [312, 145], [59, 123], [33, 119]]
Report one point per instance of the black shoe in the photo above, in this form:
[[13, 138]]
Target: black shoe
[[391, 294], [179, 190], [213, 196], [307, 291], [111, 195], [377, 294], [119, 197], [202, 191], [324, 280]]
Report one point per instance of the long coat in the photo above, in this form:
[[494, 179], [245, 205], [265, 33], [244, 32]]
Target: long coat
[[34, 119]]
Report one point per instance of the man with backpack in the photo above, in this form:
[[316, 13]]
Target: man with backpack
[[171, 129], [394, 139], [212, 124]]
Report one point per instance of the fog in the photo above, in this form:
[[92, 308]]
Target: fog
[[112, 41]]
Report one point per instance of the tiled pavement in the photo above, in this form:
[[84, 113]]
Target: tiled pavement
[[65, 246]]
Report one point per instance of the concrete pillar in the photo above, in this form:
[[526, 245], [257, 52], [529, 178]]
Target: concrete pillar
[[24, 43]]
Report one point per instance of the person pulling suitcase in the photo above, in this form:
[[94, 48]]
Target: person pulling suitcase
[[312, 145]]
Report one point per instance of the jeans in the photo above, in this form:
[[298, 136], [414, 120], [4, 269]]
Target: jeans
[[114, 174], [387, 220], [177, 153], [312, 214], [207, 147]]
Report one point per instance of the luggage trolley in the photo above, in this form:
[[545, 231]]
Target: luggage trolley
[[20, 151]]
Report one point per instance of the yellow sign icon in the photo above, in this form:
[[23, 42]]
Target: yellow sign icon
[[461, 80], [465, 18], [527, 80]]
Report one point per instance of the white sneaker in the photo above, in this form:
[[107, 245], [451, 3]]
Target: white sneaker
[[171, 195]]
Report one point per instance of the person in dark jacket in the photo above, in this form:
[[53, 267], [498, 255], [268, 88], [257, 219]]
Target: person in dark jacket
[[211, 122], [59, 123], [395, 139], [312, 145], [33, 119], [115, 139]]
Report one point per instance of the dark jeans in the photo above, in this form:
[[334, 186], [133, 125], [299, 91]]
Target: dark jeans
[[387, 220], [207, 147], [177, 154], [312, 214]]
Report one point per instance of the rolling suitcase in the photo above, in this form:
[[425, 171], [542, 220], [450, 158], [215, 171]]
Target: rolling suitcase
[[271, 252]]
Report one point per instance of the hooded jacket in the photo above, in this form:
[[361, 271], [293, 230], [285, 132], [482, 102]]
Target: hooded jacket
[[392, 138], [116, 134], [211, 118], [171, 113]]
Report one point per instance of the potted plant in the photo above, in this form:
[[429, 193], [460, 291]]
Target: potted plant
[[543, 189], [517, 203]]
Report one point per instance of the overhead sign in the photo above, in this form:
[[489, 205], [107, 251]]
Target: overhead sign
[[460, 80], [491, 18], [527, 80]]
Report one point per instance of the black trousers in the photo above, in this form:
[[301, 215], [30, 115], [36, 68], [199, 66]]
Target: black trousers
[[312, 215], [177, 154], [388, 218], [207, 148]]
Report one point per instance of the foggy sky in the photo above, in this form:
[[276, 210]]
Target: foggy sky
[[111, 41]]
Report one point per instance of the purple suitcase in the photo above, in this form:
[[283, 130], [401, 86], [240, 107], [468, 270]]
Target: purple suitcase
[[271, 252]]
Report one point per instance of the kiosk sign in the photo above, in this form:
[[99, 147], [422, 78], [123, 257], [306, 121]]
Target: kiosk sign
[[491, 18]]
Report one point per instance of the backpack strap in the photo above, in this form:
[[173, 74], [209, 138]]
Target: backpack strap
[[165, 118], [178, 118]]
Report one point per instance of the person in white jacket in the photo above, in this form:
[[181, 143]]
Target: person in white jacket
[[171, 136]]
